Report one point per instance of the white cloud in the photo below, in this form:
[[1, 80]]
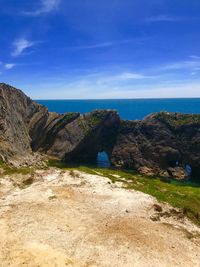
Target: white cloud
[[9, 66], [194, 57], [84, 89], [20, 45], [162, 18], [107, 85], [186, 90], [101, 45], [193, 64], [119, 78], [130, 76], [46, 6]]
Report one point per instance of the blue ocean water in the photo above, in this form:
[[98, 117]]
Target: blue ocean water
[[129, 109]]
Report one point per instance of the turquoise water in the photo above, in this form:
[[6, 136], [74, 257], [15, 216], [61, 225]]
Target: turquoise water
[[129, 109]]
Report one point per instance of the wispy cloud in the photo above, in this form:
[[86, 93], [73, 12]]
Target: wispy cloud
[[162, 18], [6, 66], [83, 88], [193, 64], [20, 45], [46, 6], [131, 76], [194, 57], [122, 77], [170, 18], [101, 45], [104, 82], [9, 66]]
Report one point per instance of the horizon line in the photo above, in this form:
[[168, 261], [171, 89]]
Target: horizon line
[[139, 98]]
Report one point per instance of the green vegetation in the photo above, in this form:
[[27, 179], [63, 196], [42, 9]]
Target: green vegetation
[[7, 170], [68, 117], [176, 120], [97, 116], [94, 119], [178, 194], [56, 163]]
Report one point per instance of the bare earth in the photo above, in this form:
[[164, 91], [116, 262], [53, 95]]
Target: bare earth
[[65, 219]]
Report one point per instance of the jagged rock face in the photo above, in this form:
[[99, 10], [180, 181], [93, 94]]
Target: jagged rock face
[[26, 126], [90, 134], [75, 138], [16, 111], [44, 131], [164, 143]]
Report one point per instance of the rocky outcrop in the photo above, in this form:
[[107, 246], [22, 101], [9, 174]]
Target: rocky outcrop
[[97, 131], [25, 125], [78, 138], [165, 144], [16, 111]]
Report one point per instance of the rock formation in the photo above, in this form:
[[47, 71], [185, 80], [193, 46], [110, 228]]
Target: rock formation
[[78, 138], [26, 126], [16, 112], [162, 144]]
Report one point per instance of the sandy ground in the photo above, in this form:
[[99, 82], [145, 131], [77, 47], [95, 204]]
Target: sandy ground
[[77, 219]]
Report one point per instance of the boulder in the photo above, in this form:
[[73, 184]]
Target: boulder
[[178, 173]]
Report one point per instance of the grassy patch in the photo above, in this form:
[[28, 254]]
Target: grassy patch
[[178, 194], [96, 117], [7, 170], [175, 120], [56, 163], [67, 118], [94, 120]]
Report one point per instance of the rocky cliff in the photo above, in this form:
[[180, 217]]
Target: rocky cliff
[[27, 127], [162, 144], [16, 112]]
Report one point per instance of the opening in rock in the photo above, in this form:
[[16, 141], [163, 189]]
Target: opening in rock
[[103, 160], [188, 169]]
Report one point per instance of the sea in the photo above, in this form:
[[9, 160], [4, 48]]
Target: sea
[[128, 109]]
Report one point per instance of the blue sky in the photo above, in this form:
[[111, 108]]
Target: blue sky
[[81, 49]]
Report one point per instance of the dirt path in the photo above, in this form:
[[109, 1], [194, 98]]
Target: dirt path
[[77, 219]]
